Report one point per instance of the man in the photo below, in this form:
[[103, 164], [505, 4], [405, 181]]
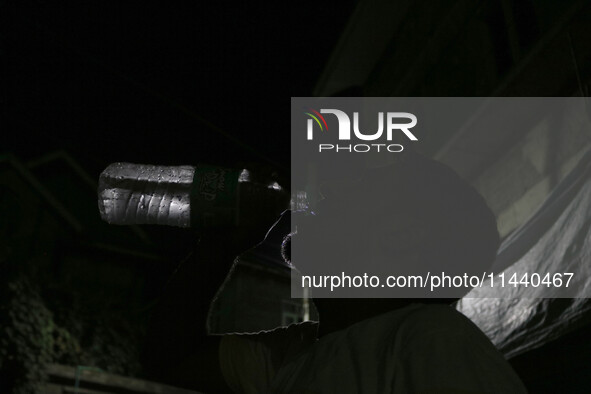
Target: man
[[374, 345]]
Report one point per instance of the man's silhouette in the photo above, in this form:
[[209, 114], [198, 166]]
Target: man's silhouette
[[368, 345]]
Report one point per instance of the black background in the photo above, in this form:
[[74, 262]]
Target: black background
[[161, 82]]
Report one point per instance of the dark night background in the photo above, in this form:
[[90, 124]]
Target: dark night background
[[205, 82], [142, 82]]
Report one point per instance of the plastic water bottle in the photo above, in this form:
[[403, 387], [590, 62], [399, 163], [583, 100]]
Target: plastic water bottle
[[201, 196]]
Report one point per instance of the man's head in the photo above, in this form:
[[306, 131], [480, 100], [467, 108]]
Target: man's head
[[406, 219]]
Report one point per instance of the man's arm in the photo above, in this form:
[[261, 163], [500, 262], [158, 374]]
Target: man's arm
[[180, 350]]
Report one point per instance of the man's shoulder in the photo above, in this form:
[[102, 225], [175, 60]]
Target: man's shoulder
[[426, 318], [421, 323], [441, 312], [253, 359]]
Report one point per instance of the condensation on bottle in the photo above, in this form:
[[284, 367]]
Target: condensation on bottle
[[201, 196]]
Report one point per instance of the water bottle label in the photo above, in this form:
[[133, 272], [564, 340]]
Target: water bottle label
[[213, 196]]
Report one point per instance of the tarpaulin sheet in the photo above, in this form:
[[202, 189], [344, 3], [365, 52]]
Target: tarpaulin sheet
[[556, 239]]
